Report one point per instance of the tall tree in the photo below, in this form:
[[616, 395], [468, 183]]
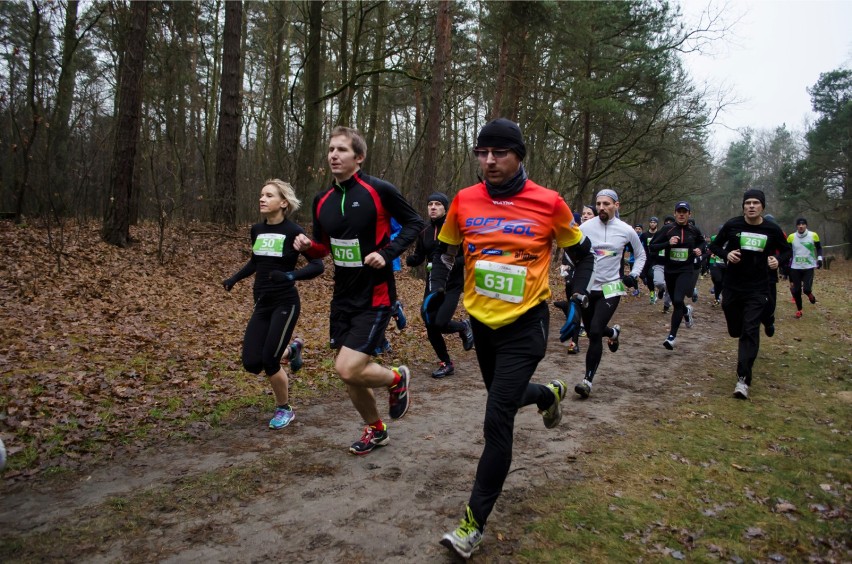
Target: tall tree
[[443, 46], [116, 228], [311, 125], [821, 180], [228, 138]]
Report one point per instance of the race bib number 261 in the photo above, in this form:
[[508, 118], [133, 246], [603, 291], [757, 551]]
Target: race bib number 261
[[753, 242]]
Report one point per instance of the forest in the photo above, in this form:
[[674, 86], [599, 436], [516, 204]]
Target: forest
[[173, 112]]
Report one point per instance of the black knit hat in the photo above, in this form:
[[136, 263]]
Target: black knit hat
[[755, 193], [439, 197], [801, 220], [504, 134]]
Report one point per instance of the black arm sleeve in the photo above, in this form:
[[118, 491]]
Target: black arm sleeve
[[314, 268], [412, 223], [584, 264], [417, 257]]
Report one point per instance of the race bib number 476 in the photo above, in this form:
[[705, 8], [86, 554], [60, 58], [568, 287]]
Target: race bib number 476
[[346, 252]]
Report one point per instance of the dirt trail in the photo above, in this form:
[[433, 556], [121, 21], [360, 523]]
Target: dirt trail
[[316, 503]]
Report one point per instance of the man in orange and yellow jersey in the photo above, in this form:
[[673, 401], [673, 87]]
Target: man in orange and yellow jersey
[[506, 225]]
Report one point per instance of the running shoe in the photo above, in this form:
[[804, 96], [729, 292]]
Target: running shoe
[[399, 315], [811, 298], [371, 439], [583, 389], [573, 348], [799, 314], [636, 293], [467, 335], [666, 308], [466, 538], [398, 396], [296, 361], [385, 347], [444, 369], [653, 298], [694, 295], [282, 418], [612, 342], [669, 343], [716, 303], [553, 414], [688, 317], [583, 332], [741, 390]]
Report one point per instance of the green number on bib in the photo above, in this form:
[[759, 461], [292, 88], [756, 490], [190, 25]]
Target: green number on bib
[[500, 281]]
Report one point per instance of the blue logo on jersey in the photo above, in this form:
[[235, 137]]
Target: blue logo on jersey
[[496, 252], [522, 227], [471, 247]]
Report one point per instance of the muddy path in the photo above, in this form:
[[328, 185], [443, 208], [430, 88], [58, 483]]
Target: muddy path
[[241, 493]]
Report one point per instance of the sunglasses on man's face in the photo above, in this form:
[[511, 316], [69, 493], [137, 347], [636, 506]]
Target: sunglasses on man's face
[[496, 153]]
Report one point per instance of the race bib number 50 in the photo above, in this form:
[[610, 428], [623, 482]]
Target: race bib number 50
[[500, 281], [269, 245], [346, 252], [753, 242]]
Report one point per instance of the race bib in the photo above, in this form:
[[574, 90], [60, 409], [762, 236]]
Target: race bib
[[679, 254], [269, 245], [612, 289], [346, 252], [802, 260], [753, 242], [500, 281]]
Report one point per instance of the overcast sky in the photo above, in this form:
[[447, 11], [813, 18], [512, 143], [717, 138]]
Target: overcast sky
[[777, 50]]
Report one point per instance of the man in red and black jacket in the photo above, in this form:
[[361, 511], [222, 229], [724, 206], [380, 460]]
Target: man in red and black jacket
[[352, 222]]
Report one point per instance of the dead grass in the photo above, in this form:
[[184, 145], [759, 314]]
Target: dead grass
[[722, 479]]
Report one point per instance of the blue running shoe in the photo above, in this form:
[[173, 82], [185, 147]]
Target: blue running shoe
[[282, 418], [399, 315], [385, 347], [296, 361]]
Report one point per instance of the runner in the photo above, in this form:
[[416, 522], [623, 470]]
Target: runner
[[609, 237], [648, 272], [682, 241], [768, 317], [717, 273], [659, 270], [807, 256], [351, 220], [567, 272], [442, 323], [508, 224], [276, 300], [749, 245]]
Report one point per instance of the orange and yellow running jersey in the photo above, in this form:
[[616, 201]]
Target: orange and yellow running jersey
[[507, 248]]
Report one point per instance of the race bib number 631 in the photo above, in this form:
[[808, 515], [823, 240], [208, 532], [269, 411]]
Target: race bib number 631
[[500, 281]]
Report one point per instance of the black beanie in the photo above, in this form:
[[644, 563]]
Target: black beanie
[[439, 197], [503, 134], [754, 193]]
